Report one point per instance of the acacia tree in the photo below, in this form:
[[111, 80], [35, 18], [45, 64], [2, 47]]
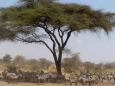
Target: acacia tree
[[7, 58], [53, 24]]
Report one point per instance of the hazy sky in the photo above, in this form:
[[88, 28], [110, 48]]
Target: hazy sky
[[92, 47]]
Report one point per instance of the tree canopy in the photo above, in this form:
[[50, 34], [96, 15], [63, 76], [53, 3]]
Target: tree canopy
[[74, 16]]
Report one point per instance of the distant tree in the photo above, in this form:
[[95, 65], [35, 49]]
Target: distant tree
[[99, 67], [71, 64], [7, 58], [108, 66], [54, 22], [33, 61], [89, 66], [19, 61], [44, 63], [33, 65]]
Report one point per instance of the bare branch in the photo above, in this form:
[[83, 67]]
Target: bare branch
[[35, 41], [68, 36], [51, 34], [61, 34]]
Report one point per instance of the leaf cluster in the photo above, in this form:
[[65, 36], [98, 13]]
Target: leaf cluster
[[76, 17]]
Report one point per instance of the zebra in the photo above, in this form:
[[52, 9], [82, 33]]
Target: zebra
[[11, 77]]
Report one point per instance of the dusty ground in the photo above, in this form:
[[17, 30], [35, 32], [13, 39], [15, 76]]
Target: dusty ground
[[50, 84]]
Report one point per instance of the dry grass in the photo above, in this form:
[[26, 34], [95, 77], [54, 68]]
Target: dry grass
[[49, 84]]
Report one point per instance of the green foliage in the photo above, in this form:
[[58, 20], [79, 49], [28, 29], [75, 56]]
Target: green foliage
[[7, 58], [77, 17], [5, 33]]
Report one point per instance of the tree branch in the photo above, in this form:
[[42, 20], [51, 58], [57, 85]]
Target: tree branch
[[61, 34], [35, 41], [68, 36], [51, 34]]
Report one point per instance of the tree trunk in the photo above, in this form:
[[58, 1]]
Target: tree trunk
[[58, 67], [58, 61]]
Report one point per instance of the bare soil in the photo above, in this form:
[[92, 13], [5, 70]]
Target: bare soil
[[47, 84]]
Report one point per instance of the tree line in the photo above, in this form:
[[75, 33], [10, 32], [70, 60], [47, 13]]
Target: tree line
[[22, 63], [72, 64]]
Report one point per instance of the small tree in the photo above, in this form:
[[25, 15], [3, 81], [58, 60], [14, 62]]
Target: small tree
[[99, 67], [89, 67], [72, 64], [44, 63], [33, 65], [7, 59], [19, 61], [53, 23]]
